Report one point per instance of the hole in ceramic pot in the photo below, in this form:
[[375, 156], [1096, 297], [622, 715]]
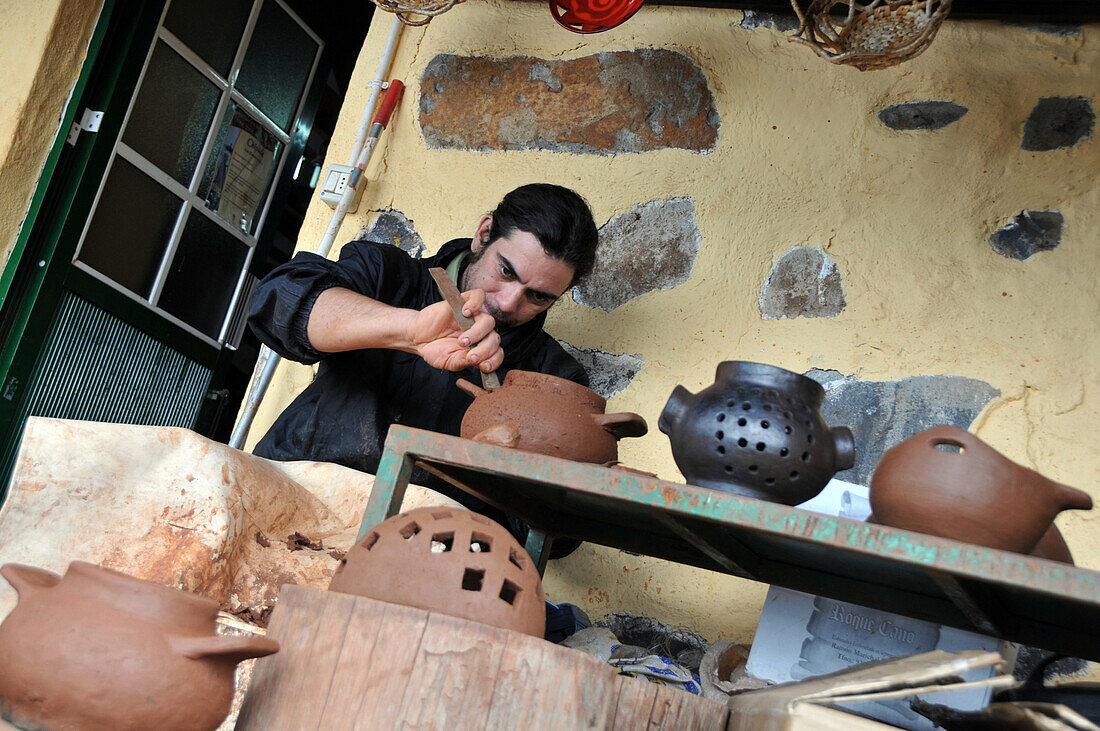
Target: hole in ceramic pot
[[721, 449], [514, 557], [787, 430], [719, 435], [769, 480], [786, 414], [784, 452], [755, 391], [773, 394], [729, 468], [809, 438], [794, 475], [441, 516], [805, 457], [480, 543], [742, 421], [409, 531], [509, 592], [765, 424], [753, 468], [742, 442], [729, 404], [760, 446], [478, 518], [370, 540], [443, 542], [946, 447], [721, 417], [767, 407], [472, 579], [746, 406]]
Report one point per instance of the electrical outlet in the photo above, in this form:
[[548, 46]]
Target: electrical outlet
[[336, 182]]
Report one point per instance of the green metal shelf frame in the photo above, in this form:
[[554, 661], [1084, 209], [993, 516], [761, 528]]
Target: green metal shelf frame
[[1011, 596]]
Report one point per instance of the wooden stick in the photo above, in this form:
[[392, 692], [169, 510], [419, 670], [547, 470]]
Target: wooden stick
[[454, 299]]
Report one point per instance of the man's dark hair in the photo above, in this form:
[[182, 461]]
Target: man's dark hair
[[559, 218]]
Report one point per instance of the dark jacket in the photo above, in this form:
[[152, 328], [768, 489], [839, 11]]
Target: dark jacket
[[343, 416]]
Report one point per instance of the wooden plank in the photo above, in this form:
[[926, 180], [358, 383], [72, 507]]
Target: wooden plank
[[350, 675], [678, 710], [452, 679], [541, 684], [634, 704], [288, 689]]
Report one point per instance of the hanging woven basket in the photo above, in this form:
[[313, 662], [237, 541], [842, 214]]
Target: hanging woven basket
[[871, 35], [416, 12]]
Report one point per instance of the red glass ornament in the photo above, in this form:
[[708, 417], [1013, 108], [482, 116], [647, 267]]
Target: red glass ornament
[[592, 16]]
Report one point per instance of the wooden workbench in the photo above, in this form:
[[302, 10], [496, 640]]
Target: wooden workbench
[[1007, 595]]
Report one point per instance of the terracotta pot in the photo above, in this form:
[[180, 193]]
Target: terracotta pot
[[756, 431], [946, 482], [98, 649], [540, 413], [450, 561]]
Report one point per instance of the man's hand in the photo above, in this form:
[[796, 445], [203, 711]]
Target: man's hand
[[437, 338]]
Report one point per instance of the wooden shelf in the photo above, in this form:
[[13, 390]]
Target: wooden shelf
[[1007, 595]]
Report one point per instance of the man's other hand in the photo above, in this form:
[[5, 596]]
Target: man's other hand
[[438, 340]]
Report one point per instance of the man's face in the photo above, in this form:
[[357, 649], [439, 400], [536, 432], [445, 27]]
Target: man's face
[[519, 279]]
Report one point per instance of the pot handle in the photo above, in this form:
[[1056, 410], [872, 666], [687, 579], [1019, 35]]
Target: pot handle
[[845, 445], [950, 436], [622, 424], [232, 649], [25, 579], [470, 388], [675, 408]]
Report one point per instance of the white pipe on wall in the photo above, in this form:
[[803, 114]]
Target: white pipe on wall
[[360, 155]]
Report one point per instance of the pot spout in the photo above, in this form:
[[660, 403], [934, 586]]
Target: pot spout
[[678, 403], [845, 448]]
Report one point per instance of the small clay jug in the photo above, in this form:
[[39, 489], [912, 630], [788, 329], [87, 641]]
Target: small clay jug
[[97, 649], [451, 561], [946, 482], [756, 431], [541, 413]]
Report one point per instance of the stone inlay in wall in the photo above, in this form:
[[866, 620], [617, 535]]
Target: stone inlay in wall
[[805, 282], [393, 227], [608, 373], [1058, 121], [782, 22], [1027, 233], [607, 103], [882, 414], [651, 246], [928, 115]]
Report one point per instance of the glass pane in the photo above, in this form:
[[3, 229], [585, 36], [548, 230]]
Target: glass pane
[[172, 114], [210, 28], [130, 228], [208, 261], [276, 64], [240, 170]]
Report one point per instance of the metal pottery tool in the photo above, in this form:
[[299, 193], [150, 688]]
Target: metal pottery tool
[[454, 299]]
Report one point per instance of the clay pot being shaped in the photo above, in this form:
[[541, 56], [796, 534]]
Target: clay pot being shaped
[[451, 561], [541, 413], [756, 431], [97, 649], [946, 482]]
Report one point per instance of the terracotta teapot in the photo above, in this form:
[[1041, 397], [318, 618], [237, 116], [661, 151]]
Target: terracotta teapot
[[756, 431], [451, 561], [541, 413], [98, 649], [946, 482]]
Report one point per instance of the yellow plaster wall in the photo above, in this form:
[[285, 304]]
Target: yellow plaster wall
[[44, 44], [801, 159]]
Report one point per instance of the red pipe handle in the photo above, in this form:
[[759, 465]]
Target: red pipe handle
[[389, 102]]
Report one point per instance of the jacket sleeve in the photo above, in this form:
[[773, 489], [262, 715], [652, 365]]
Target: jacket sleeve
[[284, 299]]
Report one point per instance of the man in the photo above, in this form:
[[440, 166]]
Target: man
[[389, 348]]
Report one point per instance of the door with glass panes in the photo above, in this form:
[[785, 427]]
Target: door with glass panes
[[205, 116]]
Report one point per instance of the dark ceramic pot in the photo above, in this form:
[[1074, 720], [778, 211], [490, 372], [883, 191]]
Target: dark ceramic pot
[[98, 649], [946, 482], [757, 431], [541, 413], [450, 561]]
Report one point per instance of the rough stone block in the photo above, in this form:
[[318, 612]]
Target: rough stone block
[[392, 227], [782, 22], [608, 373], [608, 103], [926, 115], [651, 246], [1027, 233], [882, 414], [805, 282], [1058, 121]]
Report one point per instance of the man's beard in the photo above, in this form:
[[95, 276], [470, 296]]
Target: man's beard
[[503, 321]]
